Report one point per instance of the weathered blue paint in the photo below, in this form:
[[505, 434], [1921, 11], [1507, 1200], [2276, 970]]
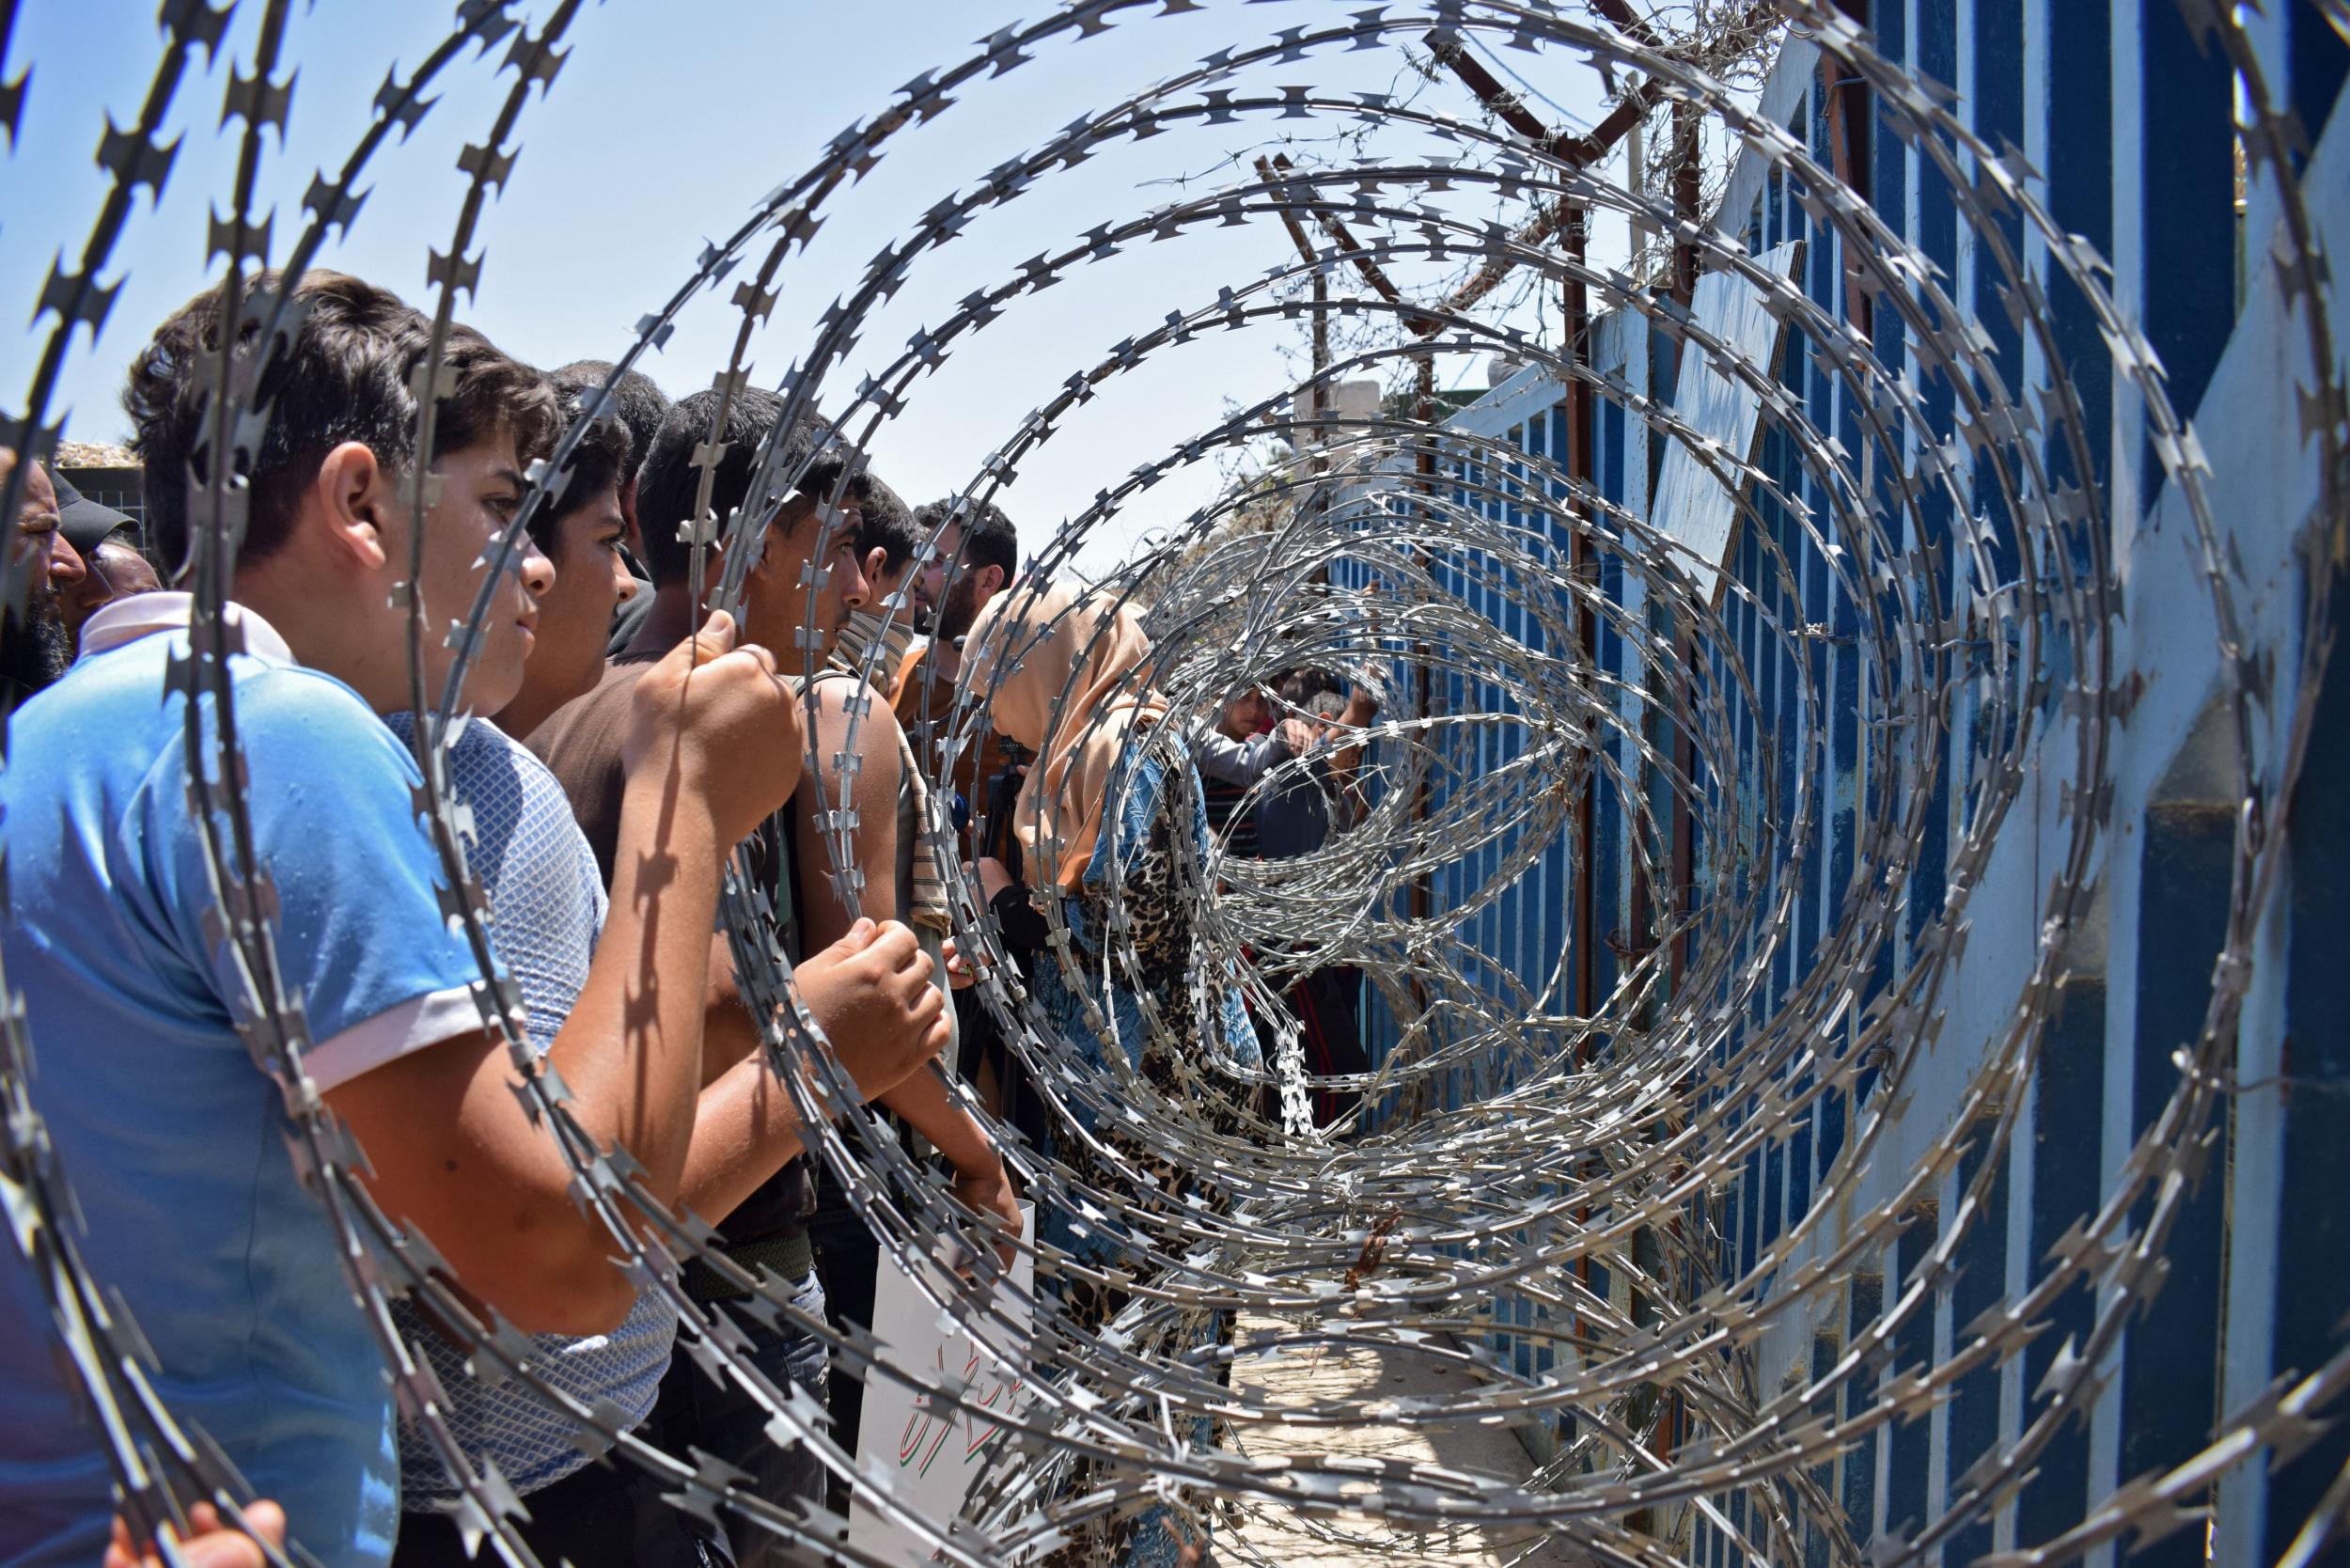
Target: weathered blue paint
[[2169, 1385], [1865, 1302], [1973, 1418], [2319, 61], [2312, 1289], [2066, 1086], [2189, 205], [1913, 1347]]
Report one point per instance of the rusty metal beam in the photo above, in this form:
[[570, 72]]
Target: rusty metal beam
[[1490, 275], [1633, 24], [1489, 91], [1266, 169], [1575, 148], [1353, 250], [1846, 100]]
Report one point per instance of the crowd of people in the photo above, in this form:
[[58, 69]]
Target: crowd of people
[[629, 739]]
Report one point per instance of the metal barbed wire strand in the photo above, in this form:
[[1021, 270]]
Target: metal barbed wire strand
[[1899, 1022]]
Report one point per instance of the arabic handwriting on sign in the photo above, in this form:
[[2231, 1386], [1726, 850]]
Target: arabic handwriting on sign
[[926, 1434]]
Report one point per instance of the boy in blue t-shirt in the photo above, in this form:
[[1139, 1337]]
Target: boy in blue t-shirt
[[171, 1139]]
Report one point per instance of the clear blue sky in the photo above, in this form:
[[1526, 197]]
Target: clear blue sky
[[670, 119]]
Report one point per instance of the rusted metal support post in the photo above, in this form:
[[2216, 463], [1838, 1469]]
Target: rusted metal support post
[[1688, 204], [1687, 201], [1321, 329], [1322, 337], [1688, 197], [1321, 398], [1583, 918], [1846, 98], [1425, 467]]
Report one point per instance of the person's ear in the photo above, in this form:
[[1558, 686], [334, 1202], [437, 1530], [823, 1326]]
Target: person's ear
[[990, 579], [770, 549], [355, 494], [783, 532], [875, 559], [632, 537]]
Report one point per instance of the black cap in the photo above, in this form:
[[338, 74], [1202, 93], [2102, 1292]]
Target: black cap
[[86, 524]]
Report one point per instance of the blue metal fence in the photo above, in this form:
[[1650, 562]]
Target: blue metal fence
[[2129, 124]]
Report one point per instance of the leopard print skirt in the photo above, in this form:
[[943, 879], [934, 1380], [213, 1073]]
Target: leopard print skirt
[[1158, 958]]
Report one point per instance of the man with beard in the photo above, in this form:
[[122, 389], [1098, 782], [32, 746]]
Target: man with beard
[[108, 543], [35, 645], [974, 557]]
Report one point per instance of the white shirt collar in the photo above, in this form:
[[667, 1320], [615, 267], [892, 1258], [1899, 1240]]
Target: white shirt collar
[[126, 620]]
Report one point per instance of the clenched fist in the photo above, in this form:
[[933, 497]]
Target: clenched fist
[[871, 991], [720, 721]]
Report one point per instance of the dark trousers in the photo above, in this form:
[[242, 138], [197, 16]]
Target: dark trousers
[[614, 1515], [1326, 1003], [599, 1516], [693, 1412], [848, 1258]]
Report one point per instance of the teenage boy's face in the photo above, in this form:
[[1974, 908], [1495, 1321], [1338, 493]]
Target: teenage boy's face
[[576, 615], [1247, 713], [481, 488], [798, 543]]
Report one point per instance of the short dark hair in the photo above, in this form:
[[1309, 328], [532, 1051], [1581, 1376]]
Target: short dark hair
[[342, 376], [600, 461], [668, 480], [640, 404], [886, 523], [987, 536], [1298, 687]]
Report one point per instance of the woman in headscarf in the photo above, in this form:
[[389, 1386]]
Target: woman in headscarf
[[1107, 812]]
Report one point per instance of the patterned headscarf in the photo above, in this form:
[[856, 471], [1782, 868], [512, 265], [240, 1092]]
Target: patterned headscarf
[[1073, 687]]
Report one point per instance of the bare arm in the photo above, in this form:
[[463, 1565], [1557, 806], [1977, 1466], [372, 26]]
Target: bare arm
[[453, 1151], [648, 978], [929, 1106], [1361, 708], [1346, 763], [871, 788], [728, 1034], [864, 986], [745, 1130], [872, 992]]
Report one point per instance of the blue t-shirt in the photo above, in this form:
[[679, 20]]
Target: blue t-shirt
[[169, 1137], [547, 905]]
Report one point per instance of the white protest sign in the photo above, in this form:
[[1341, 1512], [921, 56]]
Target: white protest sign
[[931, 1450]]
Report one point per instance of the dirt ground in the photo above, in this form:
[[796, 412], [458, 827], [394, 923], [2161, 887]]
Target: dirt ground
[[1294, 1541]]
